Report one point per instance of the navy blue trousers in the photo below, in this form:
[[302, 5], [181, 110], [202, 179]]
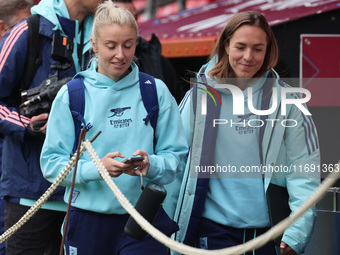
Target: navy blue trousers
[[214, 236], [95, 233], [2, 225]]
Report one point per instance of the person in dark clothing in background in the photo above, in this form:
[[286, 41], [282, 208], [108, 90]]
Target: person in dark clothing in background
[[11, 12], [150, 59], [22, 183]]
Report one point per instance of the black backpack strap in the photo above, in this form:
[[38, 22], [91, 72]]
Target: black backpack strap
[[266, 97], [34, 51], [149, 96], [76, 92]]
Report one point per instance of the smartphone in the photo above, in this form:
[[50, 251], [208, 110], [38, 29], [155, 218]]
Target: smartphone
[[133, 159]]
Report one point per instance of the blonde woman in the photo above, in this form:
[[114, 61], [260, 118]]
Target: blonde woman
[[97, 220]]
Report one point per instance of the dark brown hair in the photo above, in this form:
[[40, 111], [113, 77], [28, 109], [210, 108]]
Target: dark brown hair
[[222, 69]]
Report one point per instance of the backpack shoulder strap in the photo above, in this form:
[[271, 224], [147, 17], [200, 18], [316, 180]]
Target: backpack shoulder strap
[[34, 51], [149, 96], [77, 102], [76, 94]]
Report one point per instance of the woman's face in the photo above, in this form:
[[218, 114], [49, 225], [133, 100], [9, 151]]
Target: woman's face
[[115, 47], [246, 50]]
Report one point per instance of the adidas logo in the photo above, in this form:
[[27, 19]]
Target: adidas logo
[[148, 82]]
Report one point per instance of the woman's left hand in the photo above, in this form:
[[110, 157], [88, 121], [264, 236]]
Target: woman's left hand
[[140, 166], [285, 249]]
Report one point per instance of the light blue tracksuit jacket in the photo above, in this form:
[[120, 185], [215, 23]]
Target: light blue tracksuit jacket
[[296, 148]]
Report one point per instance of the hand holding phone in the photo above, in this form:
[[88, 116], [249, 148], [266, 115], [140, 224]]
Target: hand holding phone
[[133, 159]]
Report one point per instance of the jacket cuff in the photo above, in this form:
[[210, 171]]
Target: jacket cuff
[[153, 172], [89, 172], [293, 243]]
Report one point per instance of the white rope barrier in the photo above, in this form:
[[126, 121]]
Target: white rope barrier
[[37, 205], [174, 245], [184, 249]]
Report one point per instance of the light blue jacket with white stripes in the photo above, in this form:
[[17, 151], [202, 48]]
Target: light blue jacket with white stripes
[[294, 148]]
